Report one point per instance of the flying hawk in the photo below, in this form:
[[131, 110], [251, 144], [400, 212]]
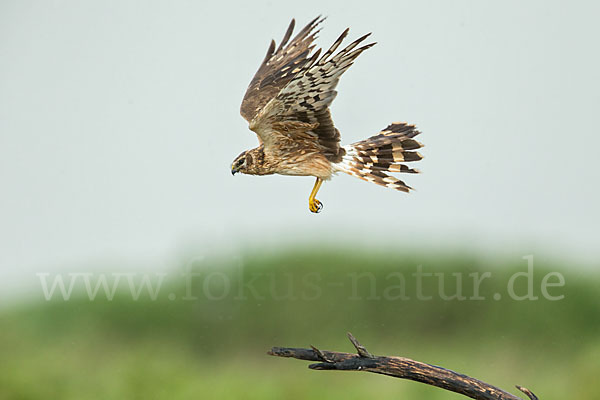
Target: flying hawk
[[287, 105]]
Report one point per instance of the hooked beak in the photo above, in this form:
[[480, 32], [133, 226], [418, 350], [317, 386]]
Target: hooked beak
[[233, 170]]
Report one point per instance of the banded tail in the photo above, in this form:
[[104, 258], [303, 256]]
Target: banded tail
[[371, 159]]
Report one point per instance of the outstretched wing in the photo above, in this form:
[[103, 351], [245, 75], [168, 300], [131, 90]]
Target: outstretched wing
[[279, 68], [306, 99]]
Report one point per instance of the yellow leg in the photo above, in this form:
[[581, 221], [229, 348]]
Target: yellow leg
[[315, 205]]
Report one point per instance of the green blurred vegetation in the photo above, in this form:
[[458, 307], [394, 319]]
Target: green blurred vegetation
[[177, 348]]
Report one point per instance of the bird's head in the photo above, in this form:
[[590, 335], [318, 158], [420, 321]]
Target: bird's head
[[251, 162], [241, 163]]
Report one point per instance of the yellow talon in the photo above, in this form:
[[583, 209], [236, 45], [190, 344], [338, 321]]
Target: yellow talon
[[315, 205]]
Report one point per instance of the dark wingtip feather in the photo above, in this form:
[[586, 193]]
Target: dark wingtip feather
[[368, 46], [270, 51], [309, 27], [287, 35], [335, 45], [320, 18], [363, 37], [313, 58], [360, 40]]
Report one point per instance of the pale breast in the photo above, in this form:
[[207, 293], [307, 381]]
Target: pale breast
[[307, 164]]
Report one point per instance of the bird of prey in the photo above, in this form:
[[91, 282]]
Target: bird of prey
[[287, 106]]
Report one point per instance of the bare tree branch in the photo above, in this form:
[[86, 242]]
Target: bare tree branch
[[399, 367]]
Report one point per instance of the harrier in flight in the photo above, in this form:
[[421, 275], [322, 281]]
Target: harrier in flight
[[287, 105]]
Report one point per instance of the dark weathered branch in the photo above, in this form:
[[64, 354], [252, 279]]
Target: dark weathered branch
[[399, 367]]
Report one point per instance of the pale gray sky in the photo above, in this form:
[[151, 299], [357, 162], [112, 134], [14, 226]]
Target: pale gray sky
[[119, 120]]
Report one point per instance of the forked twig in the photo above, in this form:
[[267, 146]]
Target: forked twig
[[399, 367]]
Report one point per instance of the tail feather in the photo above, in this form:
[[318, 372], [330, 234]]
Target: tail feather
[[386, 153], [373, 158], [406, 143]]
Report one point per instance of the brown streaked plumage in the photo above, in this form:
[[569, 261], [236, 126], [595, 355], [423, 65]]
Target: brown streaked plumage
[[287, 106]]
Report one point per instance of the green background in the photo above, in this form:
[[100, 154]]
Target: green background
[[216, 348]]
